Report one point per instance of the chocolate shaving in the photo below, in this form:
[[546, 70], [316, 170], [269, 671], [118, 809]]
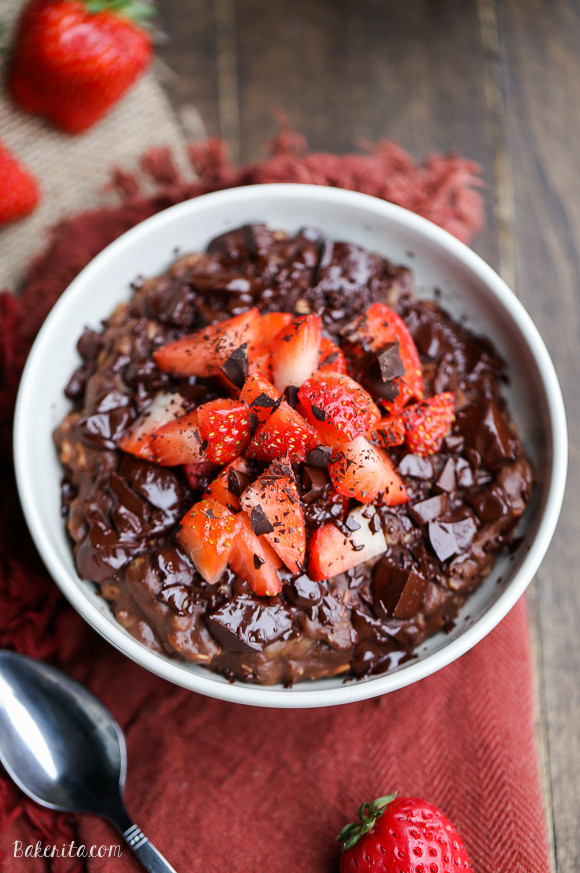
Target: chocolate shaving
[[259, 521], [352, 524], [318, 413], [265, 402], [375, 523], [254, 422], [356, 548], [234, 484], [258, 561], [236, 367]]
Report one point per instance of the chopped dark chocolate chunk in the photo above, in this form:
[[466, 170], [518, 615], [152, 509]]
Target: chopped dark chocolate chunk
[[258, 561], [442, 541], [236, 366], [397, 592], [485, 432], [352, 524], [319, 457], [259, 521], [428, 510], [453, 442], [390, 362], [416, 466], [318, 413], [446, 481], [304, 592], [463, 474], [463, 531], [265, 402], [291, 394], [247, 624], [490, 504], [314, 479]]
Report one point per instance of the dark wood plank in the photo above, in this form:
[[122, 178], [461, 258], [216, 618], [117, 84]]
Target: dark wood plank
[[342, 70], [345, 71], [542, 64], [189, 50]]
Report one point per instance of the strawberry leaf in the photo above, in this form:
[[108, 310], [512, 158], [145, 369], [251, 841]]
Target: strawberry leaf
[[368, 814]]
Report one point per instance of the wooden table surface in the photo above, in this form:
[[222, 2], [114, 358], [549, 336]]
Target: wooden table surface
[[498, 80]]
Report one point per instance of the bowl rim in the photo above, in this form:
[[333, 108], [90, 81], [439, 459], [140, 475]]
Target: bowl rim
[[257, 695]]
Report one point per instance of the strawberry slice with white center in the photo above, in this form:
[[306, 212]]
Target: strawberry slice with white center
[[331, 552], [295, 352], [178, 442], [337, 407], [207, 351], [230, 483], [163, 408], [254, 560], [331, 358], [225, 429], [363, 471], [273, 505], [272, 324], [376, 330], [284, 433], [207, 534], [260, 395]]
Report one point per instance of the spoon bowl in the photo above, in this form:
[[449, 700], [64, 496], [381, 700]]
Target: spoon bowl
[[64, 749]]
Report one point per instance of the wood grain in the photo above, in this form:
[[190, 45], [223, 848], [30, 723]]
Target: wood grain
[[542, 81]]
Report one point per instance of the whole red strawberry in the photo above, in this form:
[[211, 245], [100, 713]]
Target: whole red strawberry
[[18, 189], [402, 835], [72, 60]]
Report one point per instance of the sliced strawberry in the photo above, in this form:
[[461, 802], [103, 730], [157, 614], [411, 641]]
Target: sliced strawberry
[[428, 423], [364, 472], [230, 483], [254, 560], [374, 331], [284, 433], [388, 432], [272, 323], [206, 351], [207, 534], [331, 552], [162, 409], [198, 471], [338, 407], [273, 504], [295, 352], [260, 395], [225, 427], [260, 361], [331, 358], [178, 442]]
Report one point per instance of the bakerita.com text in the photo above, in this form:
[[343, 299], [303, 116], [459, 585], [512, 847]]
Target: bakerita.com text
[[70, 850]]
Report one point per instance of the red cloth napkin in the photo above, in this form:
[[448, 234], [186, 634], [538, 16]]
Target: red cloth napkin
[[218, 786]]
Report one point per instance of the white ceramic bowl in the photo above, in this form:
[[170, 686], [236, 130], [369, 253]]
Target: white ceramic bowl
[[469, 289]]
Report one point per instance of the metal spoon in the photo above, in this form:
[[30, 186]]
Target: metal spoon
[[64, 749]]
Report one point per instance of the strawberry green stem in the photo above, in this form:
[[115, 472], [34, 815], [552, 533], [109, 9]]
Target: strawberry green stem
[[368, 815]]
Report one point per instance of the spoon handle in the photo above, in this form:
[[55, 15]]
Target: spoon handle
[[151, 859]]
